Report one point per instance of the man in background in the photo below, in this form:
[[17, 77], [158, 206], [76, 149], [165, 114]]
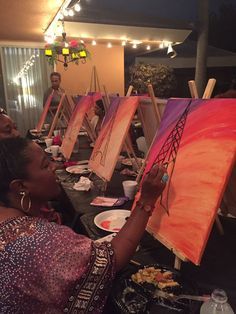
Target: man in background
[[55, 78]]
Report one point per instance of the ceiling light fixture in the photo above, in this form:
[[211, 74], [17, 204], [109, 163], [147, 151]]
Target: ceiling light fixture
[[171, 52], [66, 52]]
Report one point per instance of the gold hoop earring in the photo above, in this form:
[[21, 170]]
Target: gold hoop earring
[[23, 195]]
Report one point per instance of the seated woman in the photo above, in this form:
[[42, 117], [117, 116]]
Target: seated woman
[[97, 120], [7, 126], [8, 129], [45, 267]]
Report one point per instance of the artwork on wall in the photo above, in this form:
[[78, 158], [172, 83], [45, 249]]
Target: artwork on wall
[[112, 136], [197, 144]]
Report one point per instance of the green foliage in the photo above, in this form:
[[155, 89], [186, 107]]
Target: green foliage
[[160, 76]]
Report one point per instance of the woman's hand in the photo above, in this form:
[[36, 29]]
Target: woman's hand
[[153, 185], [129, 236]]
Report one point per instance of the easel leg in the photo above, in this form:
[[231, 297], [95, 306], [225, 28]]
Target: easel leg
[[219, 225], [178, 262]]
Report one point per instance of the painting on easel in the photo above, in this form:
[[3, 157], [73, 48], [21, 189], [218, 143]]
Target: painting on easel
[[84, 105], [197, 143], [112, 136]]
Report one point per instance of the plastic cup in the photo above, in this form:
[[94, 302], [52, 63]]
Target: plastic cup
[[55, 150], [130, 188], [48, 142], [56, 132], [46, 126]]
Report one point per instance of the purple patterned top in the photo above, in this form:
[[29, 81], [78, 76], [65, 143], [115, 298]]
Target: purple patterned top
[[47, 268]]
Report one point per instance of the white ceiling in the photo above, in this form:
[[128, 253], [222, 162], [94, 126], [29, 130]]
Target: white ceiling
[[24, 22]]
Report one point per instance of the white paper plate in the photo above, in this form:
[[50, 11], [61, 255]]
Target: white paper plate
[[48, 150], [78, 169], [111, 220]]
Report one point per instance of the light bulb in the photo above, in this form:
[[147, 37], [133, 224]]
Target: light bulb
[[94, 43], [61, 16], [161, 46], [148, 47], [66, 13], [109, 45], [134, 46], [71, 12], [77, 7], [123, 43]]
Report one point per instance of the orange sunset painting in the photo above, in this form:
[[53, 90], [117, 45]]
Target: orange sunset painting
[[84, 105], [196, 141], [112, 136]]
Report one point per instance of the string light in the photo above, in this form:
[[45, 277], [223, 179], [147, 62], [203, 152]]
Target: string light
[[109, 45], [70, 11], [148, 47], [94, 43], [26, 66], [77, 7]]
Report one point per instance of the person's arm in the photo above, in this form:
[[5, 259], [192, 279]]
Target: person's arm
[[126, 241]]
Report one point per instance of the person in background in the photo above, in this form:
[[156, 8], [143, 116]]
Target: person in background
[[230, 93], [228, 203], [97, 120], [55, 78], [7, 126], [45, 267]]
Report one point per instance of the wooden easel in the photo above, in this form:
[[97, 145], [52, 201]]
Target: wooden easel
[[150, 125], [128, 143], [94, 86], [63, 113], [207, 94], [45, 112], [208, 90], [56, 116]]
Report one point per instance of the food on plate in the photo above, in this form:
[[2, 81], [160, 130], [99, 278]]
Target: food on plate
[[155, 276], [79, 170]]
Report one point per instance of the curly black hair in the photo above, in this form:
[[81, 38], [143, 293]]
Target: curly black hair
[[13, 162]]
